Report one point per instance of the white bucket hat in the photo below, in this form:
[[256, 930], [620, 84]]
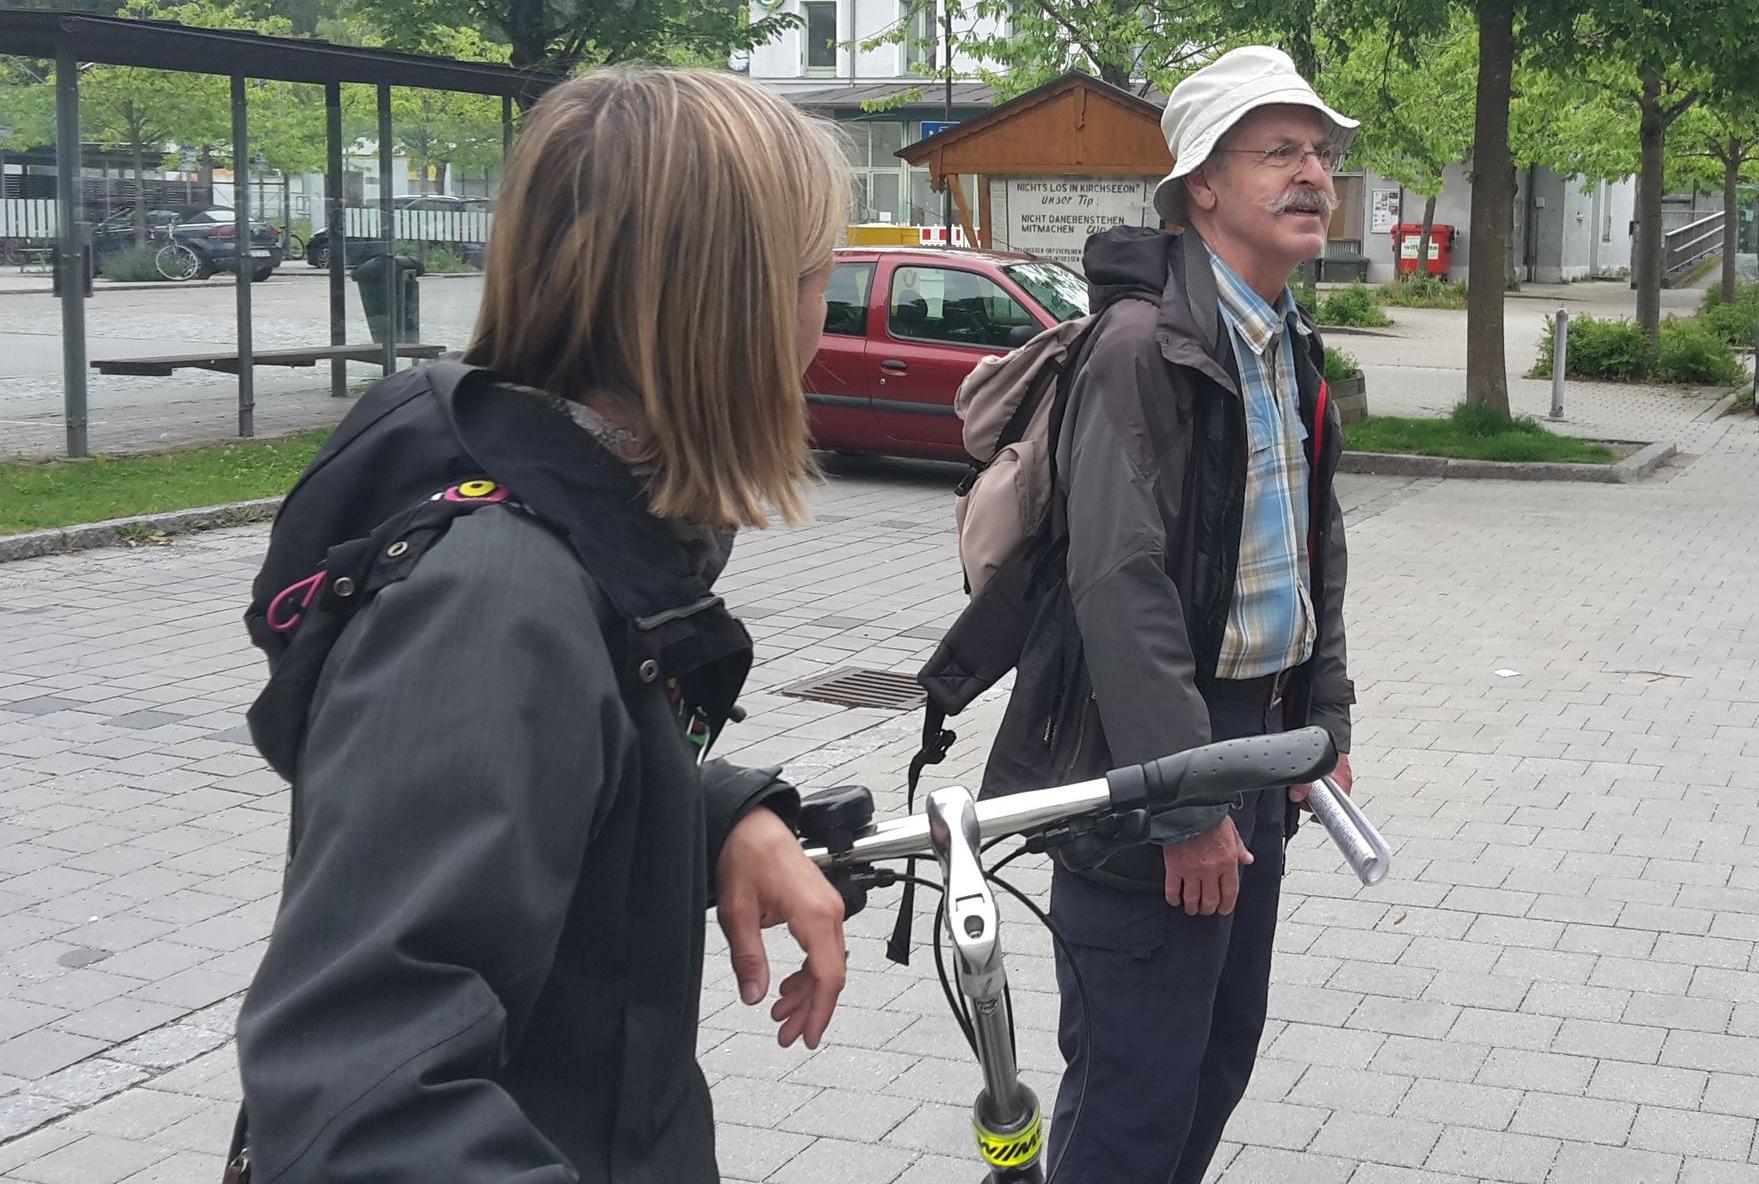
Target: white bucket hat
[[1202, 108]]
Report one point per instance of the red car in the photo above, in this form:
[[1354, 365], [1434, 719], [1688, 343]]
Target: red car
[[904, 328]]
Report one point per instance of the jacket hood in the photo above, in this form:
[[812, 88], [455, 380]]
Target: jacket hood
[[1124, 261]]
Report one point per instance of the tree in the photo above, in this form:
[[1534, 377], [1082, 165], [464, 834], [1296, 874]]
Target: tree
[[1718, 144], [440, 128], [1678, 51], [1023, 44], [1416, 121], [553, 38]]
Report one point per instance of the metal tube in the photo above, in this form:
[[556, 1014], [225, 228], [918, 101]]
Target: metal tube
[[998, 816], [70, 262], [244, 266], [947, 115], [1559, 362], [335, 233], [506, 130], [387, 231]]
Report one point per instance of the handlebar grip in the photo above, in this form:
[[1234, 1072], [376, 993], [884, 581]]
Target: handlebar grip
[[1217, 774]]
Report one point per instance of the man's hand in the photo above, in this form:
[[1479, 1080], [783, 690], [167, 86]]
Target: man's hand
[[1342, 775], [763, 879], [1203, 871]]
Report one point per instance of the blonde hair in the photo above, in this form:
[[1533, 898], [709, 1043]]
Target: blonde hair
[[650, 237]]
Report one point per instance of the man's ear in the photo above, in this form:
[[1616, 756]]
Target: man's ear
[[1200, 191]]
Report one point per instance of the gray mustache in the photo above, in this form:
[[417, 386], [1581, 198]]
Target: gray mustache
[[1305, 201]]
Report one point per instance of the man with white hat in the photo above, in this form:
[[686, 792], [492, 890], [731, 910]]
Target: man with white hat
[[1202, 600]]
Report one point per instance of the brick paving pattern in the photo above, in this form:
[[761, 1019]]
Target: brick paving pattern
[[1557, 984]]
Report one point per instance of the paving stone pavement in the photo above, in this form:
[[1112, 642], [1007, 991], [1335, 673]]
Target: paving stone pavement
[[1558, 732]]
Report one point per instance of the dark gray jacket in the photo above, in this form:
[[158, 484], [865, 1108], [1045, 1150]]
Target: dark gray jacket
[[1151, 463], [487, 960]]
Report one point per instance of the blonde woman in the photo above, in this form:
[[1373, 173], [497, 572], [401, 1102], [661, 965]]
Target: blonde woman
[[495, 690]]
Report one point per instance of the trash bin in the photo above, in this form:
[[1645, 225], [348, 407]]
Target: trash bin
[[1441, 247], [370, 277]]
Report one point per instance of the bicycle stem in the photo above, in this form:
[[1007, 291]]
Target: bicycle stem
[[1006, 1117]]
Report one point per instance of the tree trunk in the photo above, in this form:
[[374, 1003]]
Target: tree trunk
[[529, 50], [1731, 217], [1115, 72], [1493, 207], [206, 178], [1423, 238], [1647, 260]]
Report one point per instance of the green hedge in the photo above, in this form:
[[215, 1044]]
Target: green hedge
[[1691, 350], [1423, 291], [1737, 321], [1355, 306]]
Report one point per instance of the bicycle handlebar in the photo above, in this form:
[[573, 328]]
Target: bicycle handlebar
[[1214, 774]]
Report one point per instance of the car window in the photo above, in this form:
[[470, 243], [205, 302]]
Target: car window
[[945, 304], [1062, 293], [846, 298]]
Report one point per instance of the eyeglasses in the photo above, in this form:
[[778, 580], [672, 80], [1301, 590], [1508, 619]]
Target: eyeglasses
[[1288, 158]]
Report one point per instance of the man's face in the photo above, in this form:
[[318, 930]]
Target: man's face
[[1277, 211]]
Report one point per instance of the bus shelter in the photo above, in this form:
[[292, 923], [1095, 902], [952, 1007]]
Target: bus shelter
[[72, 38], [1054, 165]]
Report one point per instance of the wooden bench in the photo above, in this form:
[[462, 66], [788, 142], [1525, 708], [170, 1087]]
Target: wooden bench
[[227, 363]]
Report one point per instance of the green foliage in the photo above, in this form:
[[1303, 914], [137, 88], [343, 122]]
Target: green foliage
[[1734, 322], [1614, 348], [1473, 432], [1355, 305], [1340, 365], [134, 265], [1691, 350], [1423, 291]]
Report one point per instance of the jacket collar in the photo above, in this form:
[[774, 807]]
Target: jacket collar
[[568, 480]]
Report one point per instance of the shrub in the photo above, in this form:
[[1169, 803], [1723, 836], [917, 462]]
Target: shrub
[[1613, 348], [1339, 365], [1693, 351], [1354, 305], [1734, 322], [132, 266], [1423, 291]]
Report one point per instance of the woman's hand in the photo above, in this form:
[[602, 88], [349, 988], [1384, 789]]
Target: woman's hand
[[764, 879]]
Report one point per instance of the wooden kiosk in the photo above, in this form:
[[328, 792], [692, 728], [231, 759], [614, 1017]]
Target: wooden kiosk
[[1052, 166]]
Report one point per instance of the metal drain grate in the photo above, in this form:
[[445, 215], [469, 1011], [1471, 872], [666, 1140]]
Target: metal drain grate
[[886, 689]]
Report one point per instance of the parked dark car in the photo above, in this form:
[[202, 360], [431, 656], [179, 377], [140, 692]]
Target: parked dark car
[[905, 325], [317, 247], [209, 231]]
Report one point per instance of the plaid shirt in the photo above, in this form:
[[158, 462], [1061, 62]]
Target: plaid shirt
[[1271, 624]]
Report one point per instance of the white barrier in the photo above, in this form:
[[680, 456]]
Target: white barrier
[[27, 218], [428, 226]]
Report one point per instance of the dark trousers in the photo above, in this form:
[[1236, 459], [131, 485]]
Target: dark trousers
[[1175, 1006]]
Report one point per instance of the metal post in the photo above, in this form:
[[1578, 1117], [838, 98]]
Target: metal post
[[247, 403], [70, 261], [386, 229], [335, 233], [1756, 368], [506, 130], [1560, 362], [947, 115]]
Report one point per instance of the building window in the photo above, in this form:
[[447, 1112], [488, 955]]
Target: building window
[[922, 37], [879, 174], [821, 36]]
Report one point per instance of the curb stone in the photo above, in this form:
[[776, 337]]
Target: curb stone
[[1634, 467], [60, 540]]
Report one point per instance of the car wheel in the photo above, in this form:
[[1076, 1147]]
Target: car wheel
[[318, 255], [261, 274], [204, 267]]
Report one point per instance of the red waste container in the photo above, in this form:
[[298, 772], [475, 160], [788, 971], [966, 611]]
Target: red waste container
[[1406, 236]]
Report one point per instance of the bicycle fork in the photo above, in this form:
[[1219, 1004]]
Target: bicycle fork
[[1006, 1117]]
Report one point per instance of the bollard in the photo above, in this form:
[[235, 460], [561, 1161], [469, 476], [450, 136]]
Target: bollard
[[1560, 355]]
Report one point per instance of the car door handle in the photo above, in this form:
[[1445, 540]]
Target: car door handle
[[895, 365]]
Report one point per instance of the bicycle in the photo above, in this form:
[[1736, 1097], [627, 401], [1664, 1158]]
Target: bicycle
[[1103, 814], [294, 248], [177, 262]]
